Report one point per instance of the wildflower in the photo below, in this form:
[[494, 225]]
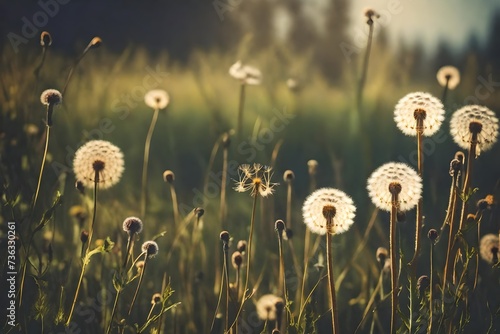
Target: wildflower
[[474, 120], [417, 105], [98, 161], [327, 204], [391, 173], [266, 307], [51, 97], [256, 178], [157, 99], [132, 225], [150, 248], [448, 76], [488, 248], [248, 75]]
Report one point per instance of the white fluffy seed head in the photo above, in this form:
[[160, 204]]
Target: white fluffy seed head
[[100, 156], [248, 75], [450, 75], [314, 215], [51, 96], [488, 247], [395, 172], [404, 113], [266, 307], [150, 248], [157, 99], [460, 127]]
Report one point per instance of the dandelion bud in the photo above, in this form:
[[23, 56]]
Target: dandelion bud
[[482, 204], [150, 248], [423, 283], [432, 234], [312, 166], [156, 298], [45, 39], [236, 259], [455, 166], [51, 97], [199, 212], [382, 255], [488, 248], [139, 265], [471, 217], [84, 236], [168, 176], [279, 226], [288, 176], [241, 246], [224, 236], [132, 225], [95, 42]]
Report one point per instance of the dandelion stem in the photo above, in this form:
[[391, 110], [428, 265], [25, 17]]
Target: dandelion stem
[[44, 158], [364, 70], [130, 245], [86, 258], [450, 218], [225, 248], [175, 205], [431, 295], [419, 116], [139, 284], [114, 310], [392, 246], [146, 161], [331, 280]]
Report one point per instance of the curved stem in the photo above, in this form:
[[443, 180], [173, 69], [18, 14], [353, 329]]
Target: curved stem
[[450, 219], [146, 161], [44, 158], [331, 280]]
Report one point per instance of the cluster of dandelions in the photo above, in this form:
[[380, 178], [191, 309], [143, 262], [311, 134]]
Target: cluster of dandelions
[[255, 178], [98, 161]]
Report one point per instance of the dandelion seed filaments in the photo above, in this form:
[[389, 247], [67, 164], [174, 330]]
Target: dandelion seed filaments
[[101, 157], [314, 216], [408, 109], [51, 97], [395, 172], [474, 118], [256, 178], [248, 75], [488, 248], [157, 99], [266, 307], [448, 75]]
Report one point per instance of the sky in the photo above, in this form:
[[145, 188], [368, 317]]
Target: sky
[[428, 21]]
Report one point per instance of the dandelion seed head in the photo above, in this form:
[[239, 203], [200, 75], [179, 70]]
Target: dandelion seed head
[[255, 178], [156, 298], [448, 75], [168, 176], [157, 99], [266, 307], [288, 176], [461, 128], [394, 173], [101, 157], [415, 105], [326, 202], [150, 248], [51, 97], [248, 75], [132, 225], [45, 39], [236, 259], [312, 166], [488, 248], [241, 246]]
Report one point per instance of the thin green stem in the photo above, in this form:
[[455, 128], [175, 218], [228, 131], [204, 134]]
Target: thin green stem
[[113, 311], [130, 245], [146, 161], [222, 208], [240, 109], [138, 284], [86, 258], [362, 80]]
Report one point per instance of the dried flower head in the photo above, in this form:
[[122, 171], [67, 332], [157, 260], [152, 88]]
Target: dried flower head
[[224, 237], [157, 99], [312, 166], [248, 75], [448, 76], [370, 14], [45, 39], [241, 246], [256, 178], [51, 97], [488, 248], [390, 173], [132, 225], [288, 176], [236, 259], [150, 248], [433, 235], [419, 105], [168, 176], [156, 298], [266, 307], [98, 158], [474, 119], [95, 42], [328, 204]]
